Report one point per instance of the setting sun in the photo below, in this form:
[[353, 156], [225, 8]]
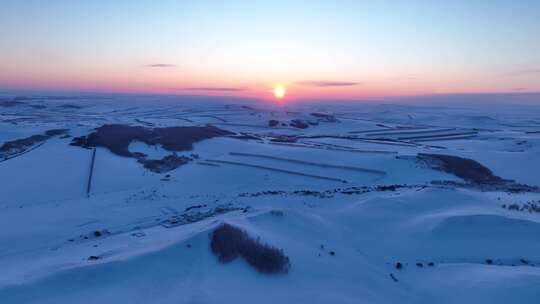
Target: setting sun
[[279, 91]]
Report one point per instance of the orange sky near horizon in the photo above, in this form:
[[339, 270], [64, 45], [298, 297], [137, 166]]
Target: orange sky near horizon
[[172, 80], [317, 49]]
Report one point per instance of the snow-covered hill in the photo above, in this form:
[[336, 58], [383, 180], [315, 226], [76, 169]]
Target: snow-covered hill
[[337, 187]]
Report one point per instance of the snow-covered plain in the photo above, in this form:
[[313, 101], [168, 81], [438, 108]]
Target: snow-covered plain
[[342, 229]]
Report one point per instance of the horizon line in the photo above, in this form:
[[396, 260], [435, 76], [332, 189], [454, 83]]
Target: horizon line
[[4, 91]]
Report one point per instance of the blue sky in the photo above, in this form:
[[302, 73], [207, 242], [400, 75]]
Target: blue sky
[[379, 47]]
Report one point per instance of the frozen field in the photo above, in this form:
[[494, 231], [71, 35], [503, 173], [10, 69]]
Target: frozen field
[[351, 193]]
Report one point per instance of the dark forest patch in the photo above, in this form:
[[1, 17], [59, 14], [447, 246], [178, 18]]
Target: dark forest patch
[[56, 132], [117, 138], [166, 164], [465, 168], [19, 145], [475, 174], [15, 147], [325, 117], [273, 123], [298, 123], [229, 243]]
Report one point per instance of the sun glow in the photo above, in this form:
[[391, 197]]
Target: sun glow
[[279, 91]]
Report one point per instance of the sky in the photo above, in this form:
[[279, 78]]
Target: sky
[[316, 49]]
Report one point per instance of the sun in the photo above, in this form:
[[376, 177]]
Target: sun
[[279, 91]]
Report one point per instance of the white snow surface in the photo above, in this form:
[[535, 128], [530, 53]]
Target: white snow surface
[[47, 220]]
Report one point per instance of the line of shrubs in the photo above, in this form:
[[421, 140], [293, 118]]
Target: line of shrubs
[[529, 206]]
